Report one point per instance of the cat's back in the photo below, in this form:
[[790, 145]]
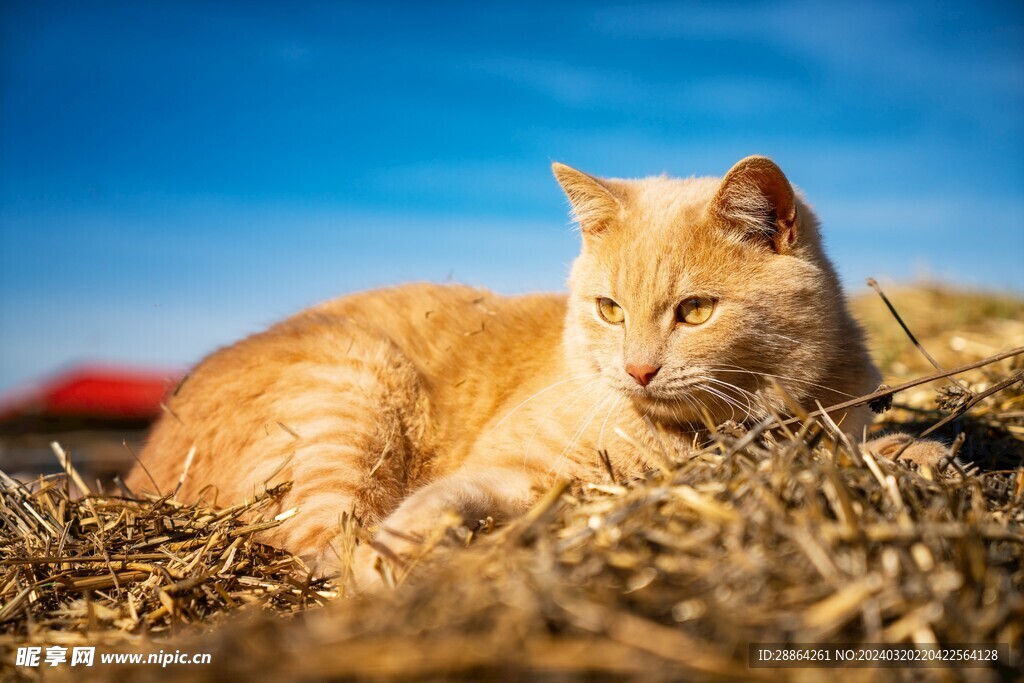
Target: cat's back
[[451, 353], [451, 333], [474, 349], [441, 327]]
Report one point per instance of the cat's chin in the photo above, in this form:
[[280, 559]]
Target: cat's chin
[[670, 409]]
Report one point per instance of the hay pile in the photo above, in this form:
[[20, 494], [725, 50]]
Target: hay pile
[[103, 567], [762, 536]]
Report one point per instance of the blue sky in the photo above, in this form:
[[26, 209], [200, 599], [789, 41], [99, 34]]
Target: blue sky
[[175, 175]]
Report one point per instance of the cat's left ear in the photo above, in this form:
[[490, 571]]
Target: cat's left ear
[[756, 197], [595, 202]]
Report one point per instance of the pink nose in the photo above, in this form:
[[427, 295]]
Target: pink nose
[[643, 374]]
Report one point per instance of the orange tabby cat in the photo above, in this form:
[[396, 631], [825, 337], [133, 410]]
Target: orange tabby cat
[[404, 403]]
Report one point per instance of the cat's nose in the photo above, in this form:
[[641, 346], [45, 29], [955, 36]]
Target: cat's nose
[[643, 374]]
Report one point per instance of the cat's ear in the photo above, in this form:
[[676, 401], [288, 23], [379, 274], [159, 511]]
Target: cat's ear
[[756, 197], [595, 202]]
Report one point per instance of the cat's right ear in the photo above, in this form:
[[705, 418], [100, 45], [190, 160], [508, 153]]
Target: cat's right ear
[[756, 197], [595, 204]]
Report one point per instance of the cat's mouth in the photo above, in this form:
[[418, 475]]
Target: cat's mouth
[[662, 406], [690, 401], [674, 404]]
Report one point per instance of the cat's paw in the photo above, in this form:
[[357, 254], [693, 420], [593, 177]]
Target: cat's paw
[[386, 561], [372, 570], [906, 448]]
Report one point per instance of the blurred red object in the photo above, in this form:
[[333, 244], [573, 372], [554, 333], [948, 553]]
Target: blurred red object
[[92, 391]]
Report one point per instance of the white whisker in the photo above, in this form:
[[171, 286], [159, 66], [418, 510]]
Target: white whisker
[[600, 435], [578, 435], [735, 368], [587, 389], [542, 391]]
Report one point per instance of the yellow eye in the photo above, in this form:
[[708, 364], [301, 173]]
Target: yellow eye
[[610, 311], [695, 311]]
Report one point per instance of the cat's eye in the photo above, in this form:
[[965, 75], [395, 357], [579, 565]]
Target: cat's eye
[[610, 311], [695, 311]]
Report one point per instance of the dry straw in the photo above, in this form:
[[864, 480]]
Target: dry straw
[[100, 566]]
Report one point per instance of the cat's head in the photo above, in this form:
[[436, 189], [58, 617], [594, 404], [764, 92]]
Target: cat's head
[[691, 294]]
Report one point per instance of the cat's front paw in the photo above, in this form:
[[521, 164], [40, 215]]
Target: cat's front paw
[[906, 448], [372, 569], [386, 561]]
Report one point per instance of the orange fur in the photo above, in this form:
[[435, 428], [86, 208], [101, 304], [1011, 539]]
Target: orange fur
[[403, 403]]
